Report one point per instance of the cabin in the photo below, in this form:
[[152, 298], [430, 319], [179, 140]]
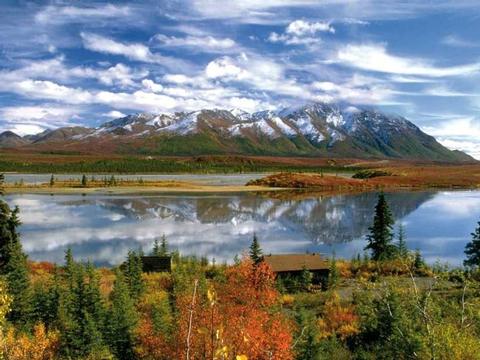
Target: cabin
[[292, 265], [156, 263]]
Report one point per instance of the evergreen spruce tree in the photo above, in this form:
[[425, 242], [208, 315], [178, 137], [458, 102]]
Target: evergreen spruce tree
[[2, 182], [333, 274], [381, 234], [472, 249], [84, 180], [156, 248], [164, 246], [133, 274], [122, 320], [418, 262], [402, 249], [13, 264], [255, 251], [305, 279], [308, 347], [160, 249], [52, 180], [81, 312], [18, 281]]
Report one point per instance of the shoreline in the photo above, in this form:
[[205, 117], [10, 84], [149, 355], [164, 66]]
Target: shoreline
[[126, 190]]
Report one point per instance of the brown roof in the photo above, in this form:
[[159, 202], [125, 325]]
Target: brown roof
[[296, 262]]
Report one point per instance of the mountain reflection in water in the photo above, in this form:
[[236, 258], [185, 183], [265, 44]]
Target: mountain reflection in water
[[103, 228]]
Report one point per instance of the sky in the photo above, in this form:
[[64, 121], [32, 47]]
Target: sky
[[65, 63]]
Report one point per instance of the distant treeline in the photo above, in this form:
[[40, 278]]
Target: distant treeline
[[145, 165]]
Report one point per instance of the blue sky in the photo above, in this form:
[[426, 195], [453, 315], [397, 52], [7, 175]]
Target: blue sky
[[85, 62]]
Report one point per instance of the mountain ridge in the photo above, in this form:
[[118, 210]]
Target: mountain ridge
[[315, 129]]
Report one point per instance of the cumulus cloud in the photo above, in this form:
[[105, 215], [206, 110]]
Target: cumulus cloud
[[376, 58], [132, 51], [301, 32], [62, 14], [25, 120], [461, 133], [456, 41], [197, 43]]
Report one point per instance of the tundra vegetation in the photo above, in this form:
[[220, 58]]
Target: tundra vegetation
[[385, 304]]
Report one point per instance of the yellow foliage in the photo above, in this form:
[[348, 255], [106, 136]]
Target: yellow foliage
[[454, 343], [287, 299], [241, 357], [42, 345], [338, 320], [5, 302]]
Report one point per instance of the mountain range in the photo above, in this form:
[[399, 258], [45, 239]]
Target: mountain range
[[316, 129]]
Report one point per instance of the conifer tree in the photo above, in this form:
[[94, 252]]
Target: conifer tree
[[133, 274], [160, 249], [2, 182], [13, 264], [418, 262], [256, 254], [84, 180], [472, 249], [52, 180], [402, 249], [333, 274], [305, 280], [381, 234], [164, 246], [81, 312], [122, 320], [18, 281]]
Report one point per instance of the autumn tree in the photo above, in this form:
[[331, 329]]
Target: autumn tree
[[472, 249], [256, 254], [41, 345], [122, 319], [381, 233]]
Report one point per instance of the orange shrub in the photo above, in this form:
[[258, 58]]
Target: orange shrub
[[338, 319]]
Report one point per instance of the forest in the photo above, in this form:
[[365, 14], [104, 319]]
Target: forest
[[383, 304]]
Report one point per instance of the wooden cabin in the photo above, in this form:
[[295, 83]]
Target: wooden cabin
[[293, 264], [156, 263]]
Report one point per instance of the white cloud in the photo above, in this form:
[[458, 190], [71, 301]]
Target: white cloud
[[301, 32], [63, 14], [302, 28], [114, 114], [25, 120], [132, 51], [376, 58], [198, 43], [55, 68], [458, 134], [152, 86], [456, 41]]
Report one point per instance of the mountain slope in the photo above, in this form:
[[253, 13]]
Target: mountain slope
[[312, 130], [10, 139]]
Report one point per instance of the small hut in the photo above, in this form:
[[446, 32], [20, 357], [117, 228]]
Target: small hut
[[156, 263], [291, 265]]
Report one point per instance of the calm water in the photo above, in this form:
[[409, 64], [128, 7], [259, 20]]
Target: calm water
[[207, 179], [103, 228]]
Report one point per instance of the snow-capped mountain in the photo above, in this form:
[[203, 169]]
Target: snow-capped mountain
[[309, 130]]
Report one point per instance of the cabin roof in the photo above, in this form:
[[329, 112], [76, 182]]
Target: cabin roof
[[296, 262]]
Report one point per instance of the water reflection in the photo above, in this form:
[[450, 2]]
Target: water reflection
[[103, 228]]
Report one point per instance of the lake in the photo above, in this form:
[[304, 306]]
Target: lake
[[103, 228]]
